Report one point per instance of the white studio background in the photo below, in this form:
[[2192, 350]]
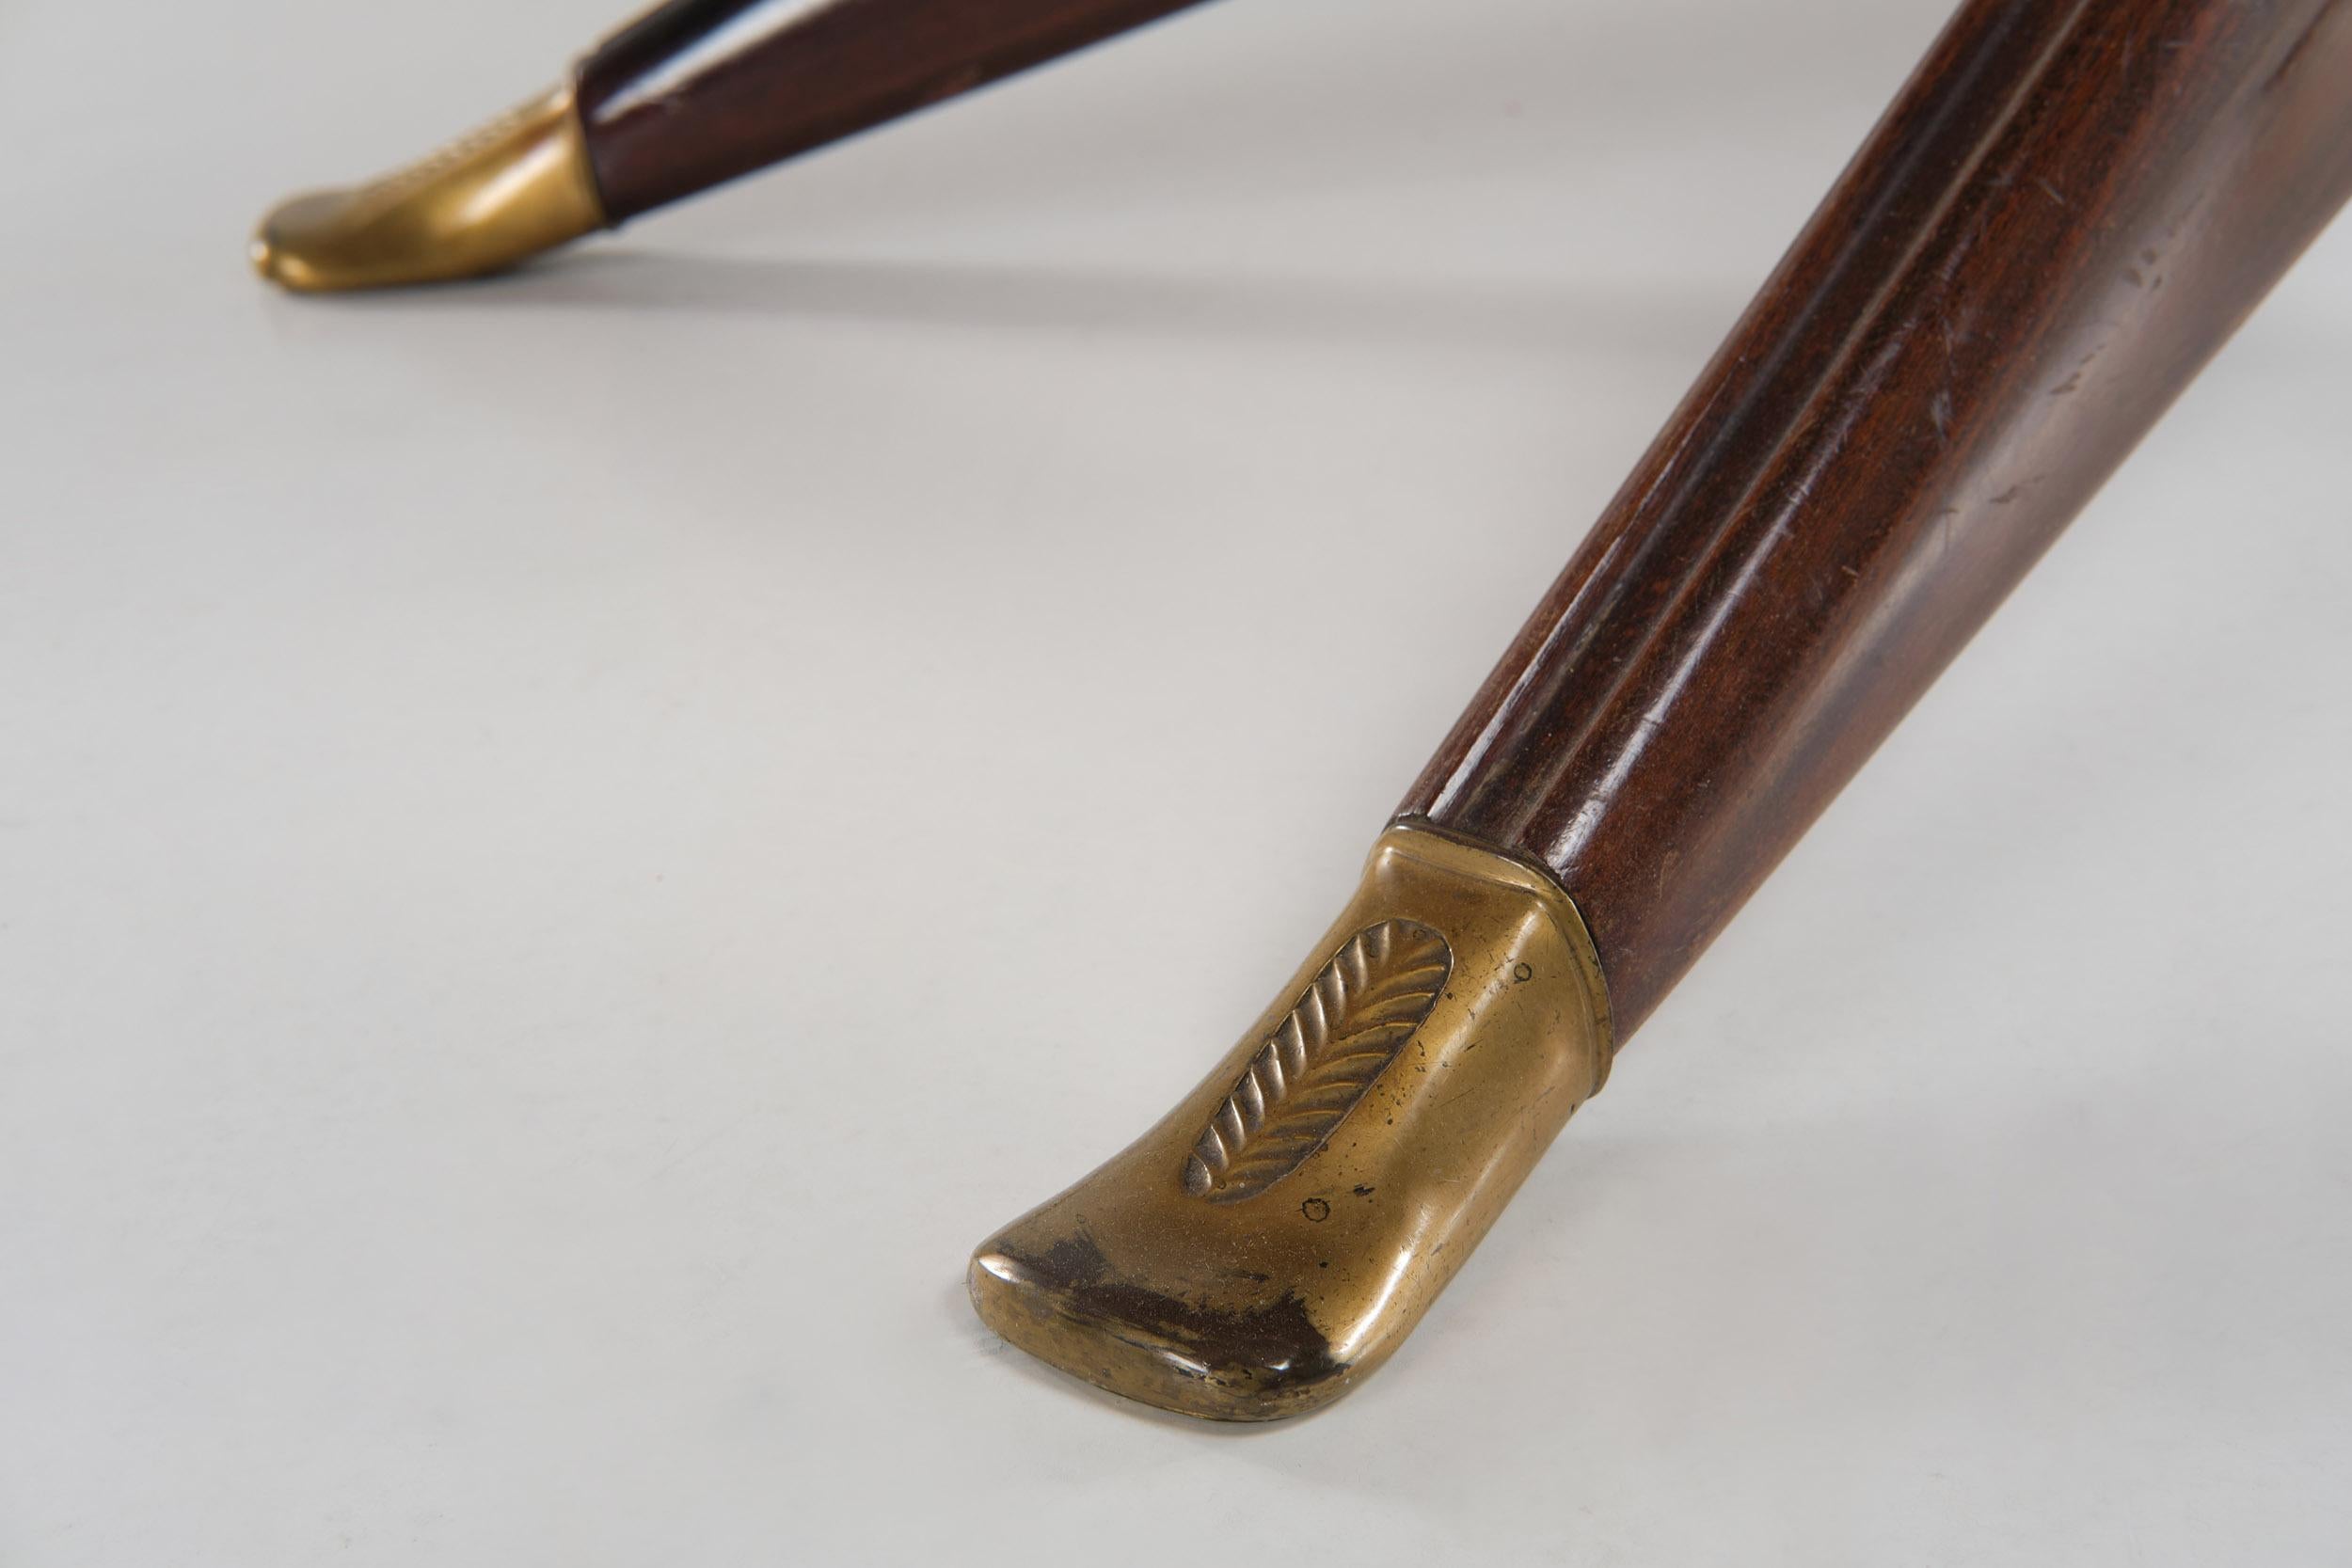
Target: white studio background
[[567, 846]]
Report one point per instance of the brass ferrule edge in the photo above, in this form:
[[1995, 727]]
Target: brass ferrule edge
[[1276, 1236], [518, 185]]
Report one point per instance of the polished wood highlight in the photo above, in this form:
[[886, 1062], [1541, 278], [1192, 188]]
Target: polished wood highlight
[[2068, 209], [699, 91]]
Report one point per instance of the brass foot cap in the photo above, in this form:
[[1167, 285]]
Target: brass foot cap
[[519, 185], [1278, 1233]]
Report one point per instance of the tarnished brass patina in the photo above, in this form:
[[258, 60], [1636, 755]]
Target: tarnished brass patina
[[1281, 1230], [519, 185]]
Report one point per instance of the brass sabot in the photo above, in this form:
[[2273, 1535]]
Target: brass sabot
[[519, 185], [1279, 1232]]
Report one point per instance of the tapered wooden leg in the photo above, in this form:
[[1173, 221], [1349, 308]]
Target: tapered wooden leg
[[2066, 211], [692, 94]]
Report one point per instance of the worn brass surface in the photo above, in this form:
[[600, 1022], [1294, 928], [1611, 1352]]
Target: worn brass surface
[[519, 185], [1277, 1234]]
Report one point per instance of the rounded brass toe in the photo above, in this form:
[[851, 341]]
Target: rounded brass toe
[[518, 186], [1273, 1240], [294, 245]]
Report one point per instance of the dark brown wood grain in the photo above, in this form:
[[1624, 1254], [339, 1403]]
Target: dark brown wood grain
[[699, 91], [2068, 209]]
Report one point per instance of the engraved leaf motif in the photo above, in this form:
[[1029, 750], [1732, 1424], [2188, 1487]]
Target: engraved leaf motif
[[1362, 1007]]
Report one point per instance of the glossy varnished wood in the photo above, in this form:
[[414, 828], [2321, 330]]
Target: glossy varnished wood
[[700, 91], [2066, 211]]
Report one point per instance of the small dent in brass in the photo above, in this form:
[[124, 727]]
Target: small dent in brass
[[1316, 1209], [1522, 973]]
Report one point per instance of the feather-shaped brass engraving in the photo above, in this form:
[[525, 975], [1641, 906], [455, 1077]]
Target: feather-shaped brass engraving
[[1315, 1067]]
